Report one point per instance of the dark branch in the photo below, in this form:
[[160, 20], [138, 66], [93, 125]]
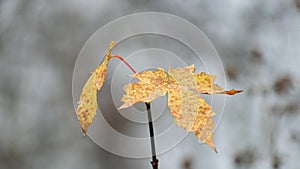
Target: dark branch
[[154, 161]]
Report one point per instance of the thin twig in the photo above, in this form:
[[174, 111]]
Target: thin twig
[[154, 161]]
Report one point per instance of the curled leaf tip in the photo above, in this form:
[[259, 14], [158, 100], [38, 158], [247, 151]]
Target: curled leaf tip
[[231, 92], [83, 132], [111, 46]]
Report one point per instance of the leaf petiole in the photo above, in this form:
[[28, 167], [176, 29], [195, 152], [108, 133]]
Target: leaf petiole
[[124, 61]]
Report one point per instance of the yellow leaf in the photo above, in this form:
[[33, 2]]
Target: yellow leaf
[[87, 105], [152, 84], [190, 111], [157, 77], [141, 92], [183, 103], [101, 70], [206, 135], [206, 84], [183, 86], [183, 77], [204, 113]]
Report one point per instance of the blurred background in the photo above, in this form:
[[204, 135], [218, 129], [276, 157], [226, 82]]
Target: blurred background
[[258, 43]]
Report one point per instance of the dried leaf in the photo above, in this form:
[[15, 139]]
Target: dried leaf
[[101, 70], [182, 101], [152, 84], [205, 83], [141, 92], [158, 77], [193, 113], [190, 111], [87, 105]]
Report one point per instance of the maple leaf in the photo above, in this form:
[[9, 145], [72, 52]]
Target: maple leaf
[[87, 105], [189, 110], [152, 85], [183, 86]]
